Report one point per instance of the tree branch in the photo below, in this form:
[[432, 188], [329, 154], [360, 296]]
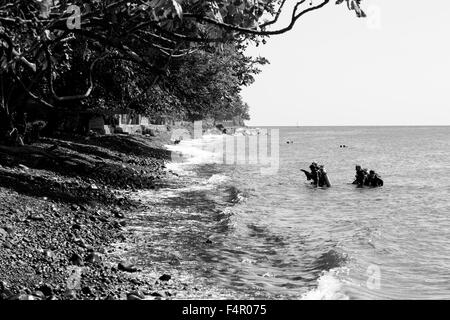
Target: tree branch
[[276, 16], [73, 97], [242, 30], [31, 94]]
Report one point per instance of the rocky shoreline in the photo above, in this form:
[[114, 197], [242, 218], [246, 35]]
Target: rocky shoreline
[[63, 203]]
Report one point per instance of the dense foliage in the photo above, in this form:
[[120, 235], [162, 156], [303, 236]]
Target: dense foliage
[[171, 58]]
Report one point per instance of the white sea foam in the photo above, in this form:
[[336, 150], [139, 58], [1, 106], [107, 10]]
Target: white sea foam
[[189, 153], [217, 179], [329, 287], [195, 151]]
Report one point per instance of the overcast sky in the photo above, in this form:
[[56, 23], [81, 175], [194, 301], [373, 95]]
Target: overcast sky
[[336, 69]]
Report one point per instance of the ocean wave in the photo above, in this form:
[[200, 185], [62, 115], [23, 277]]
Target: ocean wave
[[179, 169], [329, 287], [329, 260]]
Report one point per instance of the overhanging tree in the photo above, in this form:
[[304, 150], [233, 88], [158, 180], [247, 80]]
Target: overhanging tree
[[40, 38]]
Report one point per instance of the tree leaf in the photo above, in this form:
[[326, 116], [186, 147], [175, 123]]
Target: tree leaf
[[44, 8]]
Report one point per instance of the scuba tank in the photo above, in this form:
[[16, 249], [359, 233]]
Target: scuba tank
[[325, 180]]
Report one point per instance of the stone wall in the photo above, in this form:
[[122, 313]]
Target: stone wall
[[157, 127]]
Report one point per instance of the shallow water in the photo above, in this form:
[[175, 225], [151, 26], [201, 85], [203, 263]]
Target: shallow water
[[275, 236]]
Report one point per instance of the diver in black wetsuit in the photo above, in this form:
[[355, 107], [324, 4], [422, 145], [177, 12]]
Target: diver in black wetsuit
[[368, 179], [374, 180], [314, 174], [360, 177]]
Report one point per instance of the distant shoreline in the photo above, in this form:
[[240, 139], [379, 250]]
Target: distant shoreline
[[350, 126]]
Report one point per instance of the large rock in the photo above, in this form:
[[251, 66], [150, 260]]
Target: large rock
[[23, 296], [165, 277], [87, 290], [156, 294], [46, 289], [39, 294], [70, 294], [127, 267], [135, 295], [76, 260], [36, 217]]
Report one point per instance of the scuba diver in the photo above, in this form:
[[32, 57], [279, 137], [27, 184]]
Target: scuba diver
[[318, 175], [313, 175], [374, 180], [360, 177], [367, 178]]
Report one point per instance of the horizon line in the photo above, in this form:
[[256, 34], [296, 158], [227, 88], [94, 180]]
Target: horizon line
[[356, 125]]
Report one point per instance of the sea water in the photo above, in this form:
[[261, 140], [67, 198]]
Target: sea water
[[275, 236]]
